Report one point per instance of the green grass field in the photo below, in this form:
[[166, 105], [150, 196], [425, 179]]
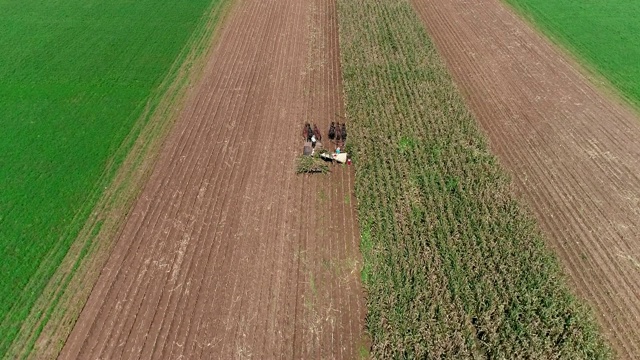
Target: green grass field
[[604, 34], [76, 77], [453, 266]]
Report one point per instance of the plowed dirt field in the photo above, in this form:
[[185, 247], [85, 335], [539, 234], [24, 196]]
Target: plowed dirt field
[[573, 150], [227, 253]]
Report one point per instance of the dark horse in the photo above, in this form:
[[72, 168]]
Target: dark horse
[[332, 131]]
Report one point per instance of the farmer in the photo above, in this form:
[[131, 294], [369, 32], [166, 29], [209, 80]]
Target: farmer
[[313, 141]]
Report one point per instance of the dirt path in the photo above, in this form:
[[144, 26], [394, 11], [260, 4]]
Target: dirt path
[[227, 253], [573, 152]]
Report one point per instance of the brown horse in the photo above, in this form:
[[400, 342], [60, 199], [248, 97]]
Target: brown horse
[[316, 133], [307, 132]]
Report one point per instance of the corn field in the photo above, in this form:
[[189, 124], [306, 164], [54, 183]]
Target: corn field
[[454, 266]]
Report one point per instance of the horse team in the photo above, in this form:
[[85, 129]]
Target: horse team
[[337, 133]]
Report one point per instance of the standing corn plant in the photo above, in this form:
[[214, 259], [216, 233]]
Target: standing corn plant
[[453, 265]]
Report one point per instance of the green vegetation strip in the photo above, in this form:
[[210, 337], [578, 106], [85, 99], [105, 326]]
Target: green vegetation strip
[[76, 78], [604, 34], [53, 315], [453, 265]]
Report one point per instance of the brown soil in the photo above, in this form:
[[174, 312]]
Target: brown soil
[[227, 253], [573, 152]]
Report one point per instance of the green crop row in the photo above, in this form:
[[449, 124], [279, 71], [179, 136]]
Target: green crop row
[[76, 78], [453, 265]]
